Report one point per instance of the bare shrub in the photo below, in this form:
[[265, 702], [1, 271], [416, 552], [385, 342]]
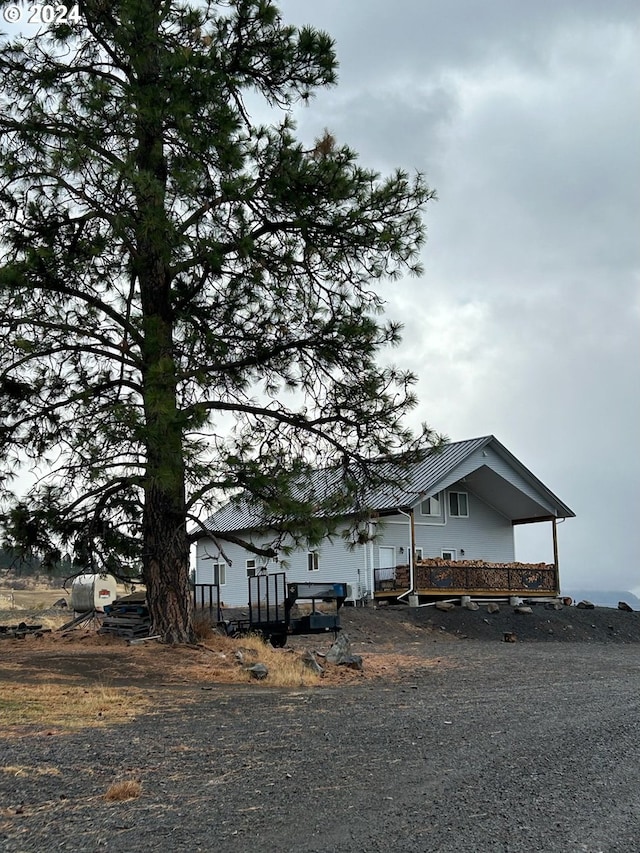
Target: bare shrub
[[127, 789], [202, 625]]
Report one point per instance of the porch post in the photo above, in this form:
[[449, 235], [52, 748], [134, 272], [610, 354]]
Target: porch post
[[554, 530], [412, 551]]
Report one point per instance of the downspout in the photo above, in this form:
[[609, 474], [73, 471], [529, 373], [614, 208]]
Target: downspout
[[365, 574], [409, 515], [372, 577]]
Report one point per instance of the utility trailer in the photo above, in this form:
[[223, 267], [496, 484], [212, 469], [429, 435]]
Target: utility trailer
[[271, 608]]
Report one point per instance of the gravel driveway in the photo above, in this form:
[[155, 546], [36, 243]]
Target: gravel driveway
[[501, 747]]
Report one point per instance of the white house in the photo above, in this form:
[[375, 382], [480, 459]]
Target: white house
[[449, 531]]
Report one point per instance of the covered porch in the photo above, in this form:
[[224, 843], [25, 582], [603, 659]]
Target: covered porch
[[434, 578]]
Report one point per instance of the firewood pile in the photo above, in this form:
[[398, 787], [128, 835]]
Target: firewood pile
[[480, 564], [127, 617], [435, 572]]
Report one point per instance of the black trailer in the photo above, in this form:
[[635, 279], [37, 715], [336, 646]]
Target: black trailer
[[271, 608]]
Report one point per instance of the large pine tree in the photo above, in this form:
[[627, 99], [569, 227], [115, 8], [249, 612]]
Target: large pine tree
[[187, 303]]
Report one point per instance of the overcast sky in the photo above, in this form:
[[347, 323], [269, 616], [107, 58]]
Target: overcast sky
[[525, 117]]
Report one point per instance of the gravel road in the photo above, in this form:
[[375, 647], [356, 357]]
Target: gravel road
[[500, 747]]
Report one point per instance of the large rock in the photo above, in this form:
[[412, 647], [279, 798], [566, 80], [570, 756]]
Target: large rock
[[492, 607], [586, 605], [340, 654], [523, 609], [352, 661], [258, 671], [309, 661], [445, 606], [341, 648], [622, 605], [472, 605]]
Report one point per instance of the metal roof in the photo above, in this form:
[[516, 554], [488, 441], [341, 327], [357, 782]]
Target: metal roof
[[421, 481], [425, 475], [239, 514]]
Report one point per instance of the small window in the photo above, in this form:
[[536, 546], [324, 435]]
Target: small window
[[430, 506], [220, 573], [417, 554], [458, 505], [251, 568], [448, 554], [313, 561]]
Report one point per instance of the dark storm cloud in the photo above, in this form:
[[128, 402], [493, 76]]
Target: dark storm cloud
[[524, 116]]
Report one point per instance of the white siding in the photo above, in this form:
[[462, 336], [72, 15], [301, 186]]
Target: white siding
[[484, 535], [336, 562], [393, 531], [493, 460]]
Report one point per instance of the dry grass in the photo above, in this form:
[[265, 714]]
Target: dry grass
[[38, 597], [127, 789], [34, 599], [285, 667], [47, 619], [66, 707], [20, 770], [202, 625]]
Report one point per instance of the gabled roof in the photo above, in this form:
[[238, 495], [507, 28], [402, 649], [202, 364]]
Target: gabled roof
[[437, 471], [425, 476]]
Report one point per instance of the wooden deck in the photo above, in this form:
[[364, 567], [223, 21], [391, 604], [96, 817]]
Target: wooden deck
[[448, 578]]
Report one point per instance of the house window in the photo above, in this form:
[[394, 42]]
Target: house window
[[313, 561], [448, 553], [220, 573], [251, 568], [458, 505], [417, 554], [430, 506]]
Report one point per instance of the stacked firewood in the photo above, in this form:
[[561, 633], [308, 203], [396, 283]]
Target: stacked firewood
[[481, 564]]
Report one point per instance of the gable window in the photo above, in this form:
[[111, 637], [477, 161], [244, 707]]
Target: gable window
[[251, 568], [313, 561], [458, 505], [431, 506], [220, 573]]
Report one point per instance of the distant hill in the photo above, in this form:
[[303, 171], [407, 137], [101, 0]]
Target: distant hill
[[604, 597]]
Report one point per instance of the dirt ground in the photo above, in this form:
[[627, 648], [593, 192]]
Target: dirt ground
[[500, 748], [391, 640], [450, 740]]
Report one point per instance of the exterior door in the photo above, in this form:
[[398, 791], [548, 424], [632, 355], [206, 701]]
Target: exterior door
[[387, 558]]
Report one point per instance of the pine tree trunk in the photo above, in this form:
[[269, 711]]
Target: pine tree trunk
[[166, 568], [166, 548], [165, 543]]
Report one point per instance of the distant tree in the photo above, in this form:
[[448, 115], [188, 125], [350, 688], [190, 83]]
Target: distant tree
[[187, 303]]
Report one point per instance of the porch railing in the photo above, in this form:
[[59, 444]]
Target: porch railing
[[467, 576]]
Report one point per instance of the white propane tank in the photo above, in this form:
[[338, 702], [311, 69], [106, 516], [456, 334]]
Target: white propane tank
[[92, 592]]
